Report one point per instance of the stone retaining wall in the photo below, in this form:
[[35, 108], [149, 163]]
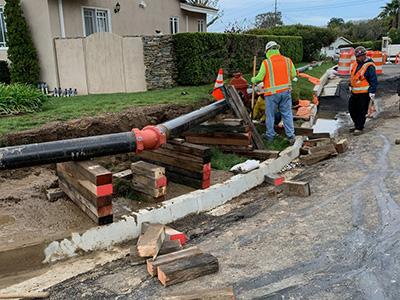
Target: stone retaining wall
[[161, 71]]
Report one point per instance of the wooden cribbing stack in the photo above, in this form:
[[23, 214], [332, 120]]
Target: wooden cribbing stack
[[149, 181], [89, 185], [184, 163]]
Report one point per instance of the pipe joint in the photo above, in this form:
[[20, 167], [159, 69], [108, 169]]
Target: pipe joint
[[149, 138]]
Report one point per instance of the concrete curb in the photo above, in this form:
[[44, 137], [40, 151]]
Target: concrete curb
[[171, 210], [37, 254]]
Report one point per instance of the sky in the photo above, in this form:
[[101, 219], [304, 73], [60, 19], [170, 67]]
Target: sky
[[312, 12]]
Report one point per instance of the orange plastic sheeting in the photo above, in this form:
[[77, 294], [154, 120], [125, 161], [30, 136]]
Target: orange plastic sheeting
[[303, 103], [310, 78], [304, 111], [315, 100]]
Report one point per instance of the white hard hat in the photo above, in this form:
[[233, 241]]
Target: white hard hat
[[270, 45]]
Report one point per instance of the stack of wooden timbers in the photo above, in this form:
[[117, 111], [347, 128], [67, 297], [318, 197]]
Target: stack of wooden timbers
[[184, 163], [227, 135], [319, 148], [89, 185], [161, 249]]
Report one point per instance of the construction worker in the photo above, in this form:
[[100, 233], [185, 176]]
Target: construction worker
[[276, 73], [363, 84], [259, 108]]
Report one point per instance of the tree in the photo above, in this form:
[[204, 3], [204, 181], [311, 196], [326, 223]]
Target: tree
[[268, 20], [394, 35], [369, 30], [21, 51], [236, 27], [335, 22], [390, 13]]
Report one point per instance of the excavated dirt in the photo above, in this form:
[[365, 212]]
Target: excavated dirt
[[26, 214]]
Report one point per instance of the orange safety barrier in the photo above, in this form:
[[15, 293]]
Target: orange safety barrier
[[344, 63], [377, 57], [397, 61]]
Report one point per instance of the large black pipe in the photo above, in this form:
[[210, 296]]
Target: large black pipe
[[102, 145]]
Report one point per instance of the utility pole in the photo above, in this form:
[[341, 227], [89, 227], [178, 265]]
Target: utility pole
[[276, 10], [398, 17]]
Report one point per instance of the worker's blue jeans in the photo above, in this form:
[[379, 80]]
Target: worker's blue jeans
[[282, 101]]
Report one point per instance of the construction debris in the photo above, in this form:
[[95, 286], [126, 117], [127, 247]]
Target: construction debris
[[152, 265], [317, 154], [32, 295], [274, 179], [150, 242], [342, 146], [296, 188], [187, 269]]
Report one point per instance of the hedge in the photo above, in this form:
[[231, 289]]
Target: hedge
[[199, 55], [370, 45], [314, 38]]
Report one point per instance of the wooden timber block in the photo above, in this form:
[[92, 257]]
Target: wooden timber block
[[134, 258], [94, 172], [318, 142], [170, 233], [397, 141], [187, 269], [147, 169], [274, 179], [188, 148], [296, 188], [152, 265], [218, 141], [151, 183], [153, 192], [342, 146], [126, 174], [170, 246], [150, 242], [318, 154], [224, 122], [224, 293], [100, 214], [69, 171]]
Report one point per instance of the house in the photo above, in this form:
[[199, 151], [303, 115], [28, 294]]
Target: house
[[333, 49], [56, 24]]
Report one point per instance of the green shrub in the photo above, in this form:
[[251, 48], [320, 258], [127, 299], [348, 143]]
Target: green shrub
[[370, 45], [21, 51], [4, 72], [17, 98], [200, 55], [314, 38]]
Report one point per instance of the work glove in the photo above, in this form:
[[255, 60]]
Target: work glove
[[372, 96], [294, 79]]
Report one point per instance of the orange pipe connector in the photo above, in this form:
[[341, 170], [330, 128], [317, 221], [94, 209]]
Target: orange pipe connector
[[149, 138]]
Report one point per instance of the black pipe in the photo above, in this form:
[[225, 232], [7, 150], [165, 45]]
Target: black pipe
[[183, 123], [101, 145]]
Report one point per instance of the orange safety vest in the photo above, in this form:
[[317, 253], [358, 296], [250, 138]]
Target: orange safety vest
[[278, 69], [359, 83]]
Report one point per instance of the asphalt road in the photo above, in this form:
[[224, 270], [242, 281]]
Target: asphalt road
[[342, 242]]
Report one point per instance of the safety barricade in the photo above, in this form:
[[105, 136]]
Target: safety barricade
[[377, 57], [344, 63]]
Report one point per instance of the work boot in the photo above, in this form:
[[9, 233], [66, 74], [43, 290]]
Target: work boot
[[291, 141], [357, 132], [352, 129]]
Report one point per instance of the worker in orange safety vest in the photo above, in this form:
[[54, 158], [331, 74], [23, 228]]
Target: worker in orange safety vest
[[363, 85], [277, 72]]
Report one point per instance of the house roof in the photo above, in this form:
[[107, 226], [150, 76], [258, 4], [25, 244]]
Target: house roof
[[344, 39], [198, 8]]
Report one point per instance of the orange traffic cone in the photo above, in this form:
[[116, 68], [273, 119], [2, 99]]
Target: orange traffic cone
[[218, 83]]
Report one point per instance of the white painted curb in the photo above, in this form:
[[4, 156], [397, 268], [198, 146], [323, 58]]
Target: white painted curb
[[129, 228]]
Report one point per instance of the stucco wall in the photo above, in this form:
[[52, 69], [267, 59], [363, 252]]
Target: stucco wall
[[71, 64]]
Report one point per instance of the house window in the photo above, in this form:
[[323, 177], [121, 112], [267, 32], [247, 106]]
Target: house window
[[174, 24], [200, 25], [95, 20], [3, 30]]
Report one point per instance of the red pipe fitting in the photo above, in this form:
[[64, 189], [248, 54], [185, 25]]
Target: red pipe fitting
[[149, 138]]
